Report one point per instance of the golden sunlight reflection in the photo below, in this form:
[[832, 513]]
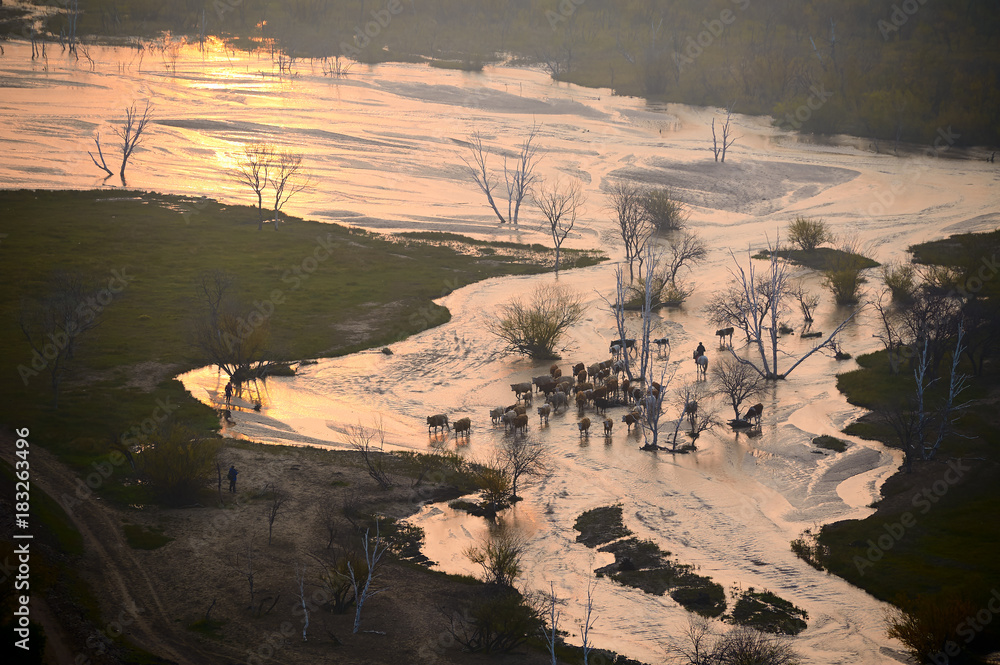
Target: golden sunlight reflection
[[384, 148]]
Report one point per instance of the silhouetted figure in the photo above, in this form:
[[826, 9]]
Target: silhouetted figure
[[232, 478]]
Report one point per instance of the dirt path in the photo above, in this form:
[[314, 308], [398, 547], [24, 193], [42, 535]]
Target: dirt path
[[114, 573]]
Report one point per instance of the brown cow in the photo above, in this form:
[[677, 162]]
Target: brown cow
[[608, 426], [463, 426], [437, 421], [521, 423], [631, 419], [584, 426]]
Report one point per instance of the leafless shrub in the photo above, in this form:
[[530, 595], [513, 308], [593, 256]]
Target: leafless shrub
[[369, 442]]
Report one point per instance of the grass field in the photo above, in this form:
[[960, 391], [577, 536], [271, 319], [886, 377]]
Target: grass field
[[325, 290], [934, 536]]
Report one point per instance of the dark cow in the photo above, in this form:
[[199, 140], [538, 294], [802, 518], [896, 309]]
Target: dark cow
[[754, 413], [542, 380], [558, 399], [601, 404], [463, 426], [544, 412], [437, 421], [722, 334], [521, 389], [661, 344]]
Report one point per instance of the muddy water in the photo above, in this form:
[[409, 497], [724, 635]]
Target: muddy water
[[383, 148]]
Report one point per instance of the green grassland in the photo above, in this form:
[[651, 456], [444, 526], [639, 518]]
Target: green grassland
[[328, 289], [934, 536]]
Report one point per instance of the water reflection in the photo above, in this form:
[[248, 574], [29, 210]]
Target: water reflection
[[384, 150]]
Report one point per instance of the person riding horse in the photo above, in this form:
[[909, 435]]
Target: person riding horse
[[700, 351]]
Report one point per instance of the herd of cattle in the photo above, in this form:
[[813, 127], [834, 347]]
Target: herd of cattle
[[597, 386]]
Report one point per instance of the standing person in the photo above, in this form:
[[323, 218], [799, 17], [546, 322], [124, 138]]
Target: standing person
[[229, 392], [232, 478]]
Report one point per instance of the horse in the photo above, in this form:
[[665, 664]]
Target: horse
[[702, 362]]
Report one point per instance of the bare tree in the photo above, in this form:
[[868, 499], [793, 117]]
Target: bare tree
[[499, 554], [518, 180], [665, 213], [522, 457], [738, 382], [328, 519], [370, 442], [740, 644], [759, 304], [588, 623], [807, 302], [727, 138], [550, 628], [374, 549], [300, 578], [700, 416], [274, 506], [684, 249], [932, 427], [244, 562], [228, 334], [53, 325], [698, 649], [253, 169], [286, 178], [560, 204], [633, 226], [131, 133], [652, 403]]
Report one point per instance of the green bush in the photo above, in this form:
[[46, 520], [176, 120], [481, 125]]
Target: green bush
[[769, 613], [535, 328], [844, 275], [926, 625], [176, 463], [808, 234], [662, 210], [499, 555], [499, 620], [900, 279]]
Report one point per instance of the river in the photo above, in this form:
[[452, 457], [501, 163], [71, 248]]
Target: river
[[384, 149]]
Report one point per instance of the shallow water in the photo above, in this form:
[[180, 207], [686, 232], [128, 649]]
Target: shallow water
[[384, 151]]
